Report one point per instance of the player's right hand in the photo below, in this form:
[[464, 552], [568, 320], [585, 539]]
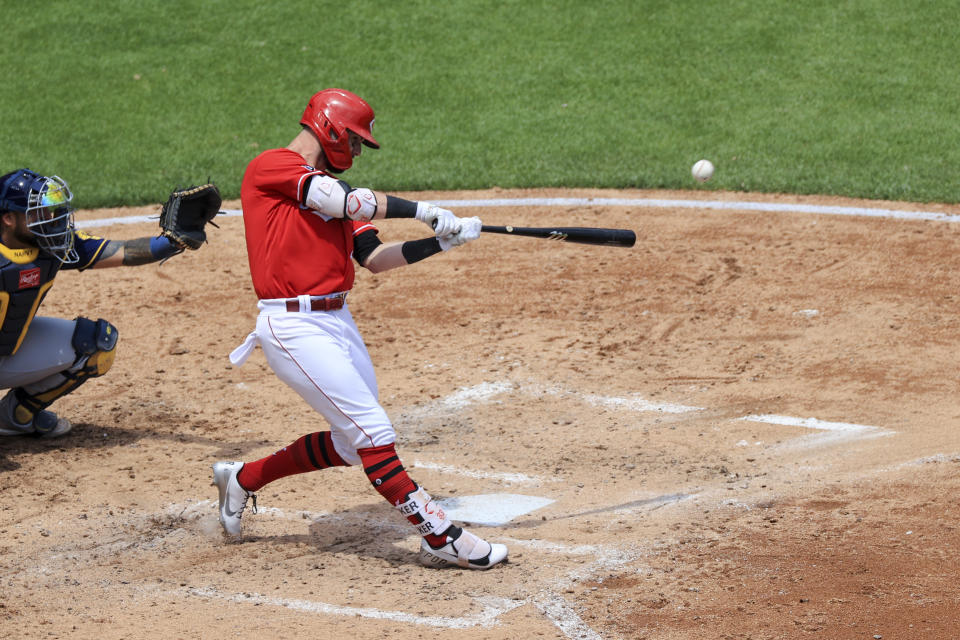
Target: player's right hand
[[469, 230]]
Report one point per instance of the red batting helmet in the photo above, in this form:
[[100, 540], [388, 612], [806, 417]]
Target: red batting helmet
[[330, 114]]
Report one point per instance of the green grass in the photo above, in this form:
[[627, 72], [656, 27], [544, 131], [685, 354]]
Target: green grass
[[128, 98]]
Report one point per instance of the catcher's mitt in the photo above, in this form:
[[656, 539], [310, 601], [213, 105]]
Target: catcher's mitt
[[187, 212]]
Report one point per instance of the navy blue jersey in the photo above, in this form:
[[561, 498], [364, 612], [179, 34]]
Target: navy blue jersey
[[27, 275]]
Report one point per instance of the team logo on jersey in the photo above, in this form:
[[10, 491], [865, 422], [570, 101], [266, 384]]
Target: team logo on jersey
[[29, 278]]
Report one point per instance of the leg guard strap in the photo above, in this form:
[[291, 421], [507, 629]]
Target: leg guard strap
[[425, 514], [95, 344]]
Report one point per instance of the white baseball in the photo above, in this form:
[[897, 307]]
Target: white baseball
[[702, 170]]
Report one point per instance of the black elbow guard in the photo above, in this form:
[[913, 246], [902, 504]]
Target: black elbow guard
[[364, 244]]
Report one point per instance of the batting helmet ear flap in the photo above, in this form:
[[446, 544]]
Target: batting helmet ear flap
[[332, 136]]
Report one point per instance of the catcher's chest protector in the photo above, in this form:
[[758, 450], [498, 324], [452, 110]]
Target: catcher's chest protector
[[24, 285]]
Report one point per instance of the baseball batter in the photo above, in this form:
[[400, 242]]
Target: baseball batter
[[304, 228], [43, 359]]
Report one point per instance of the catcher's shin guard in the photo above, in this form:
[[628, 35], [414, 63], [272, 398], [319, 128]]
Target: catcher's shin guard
[[95, 343]]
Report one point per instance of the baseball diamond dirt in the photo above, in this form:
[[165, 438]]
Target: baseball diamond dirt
[[745, 426]]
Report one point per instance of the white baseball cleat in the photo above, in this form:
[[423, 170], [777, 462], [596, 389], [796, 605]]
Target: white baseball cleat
[[233, 497], [466, 550], [45, 424]]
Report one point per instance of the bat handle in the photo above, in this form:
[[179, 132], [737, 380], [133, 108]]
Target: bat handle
[[433, 225]]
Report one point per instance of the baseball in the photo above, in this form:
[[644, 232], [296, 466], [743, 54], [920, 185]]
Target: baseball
[[702, 170]]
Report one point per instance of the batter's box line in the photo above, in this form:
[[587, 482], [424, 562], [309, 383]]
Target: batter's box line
[[491, 609], [814, 423], [548, 601], [829, 433], [506, 478], [553, 607], [486, 392]]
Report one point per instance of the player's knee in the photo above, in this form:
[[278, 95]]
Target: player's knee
[[95, 343]]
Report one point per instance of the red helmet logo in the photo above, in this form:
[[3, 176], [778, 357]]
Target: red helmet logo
[[331, 114]]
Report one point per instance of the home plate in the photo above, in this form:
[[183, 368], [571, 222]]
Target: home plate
[[491, 509]]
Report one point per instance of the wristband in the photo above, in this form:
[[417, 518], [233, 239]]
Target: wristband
[[161, 248]]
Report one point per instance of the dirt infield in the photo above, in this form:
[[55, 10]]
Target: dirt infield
[[746, 426]]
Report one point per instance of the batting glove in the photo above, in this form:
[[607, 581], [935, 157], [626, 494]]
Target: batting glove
[[442, 221], [469, 230]]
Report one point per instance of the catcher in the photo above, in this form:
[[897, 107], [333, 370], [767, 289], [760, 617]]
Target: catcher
[[43, 359]]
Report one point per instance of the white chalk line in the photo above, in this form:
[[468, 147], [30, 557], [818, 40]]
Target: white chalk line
[[725, 205], [810, 423], [553, 606], [830, 433], [492, 608], [547, 601], [506, 478], [556, 609], [637, 404], [109, 222], [934, 459], [605, 553], [486, 392]]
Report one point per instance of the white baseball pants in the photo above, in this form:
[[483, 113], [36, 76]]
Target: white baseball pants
[[322, 357]]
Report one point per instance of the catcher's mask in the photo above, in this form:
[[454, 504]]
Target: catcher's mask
[[331, 114], [45, 202]]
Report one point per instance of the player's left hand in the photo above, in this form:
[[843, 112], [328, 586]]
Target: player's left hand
[[442, 221], [469, 230], [187, 212]]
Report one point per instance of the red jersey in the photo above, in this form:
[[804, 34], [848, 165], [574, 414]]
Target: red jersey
[[292, 249]]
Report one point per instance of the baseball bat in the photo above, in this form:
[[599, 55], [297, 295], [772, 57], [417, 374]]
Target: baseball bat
[[579, 235]]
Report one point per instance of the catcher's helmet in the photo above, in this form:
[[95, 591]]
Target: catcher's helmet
[[330, 114], [45, 201]]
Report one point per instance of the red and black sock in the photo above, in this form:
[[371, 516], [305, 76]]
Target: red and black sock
[[390, 479], [309, 453], [386, 473]]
